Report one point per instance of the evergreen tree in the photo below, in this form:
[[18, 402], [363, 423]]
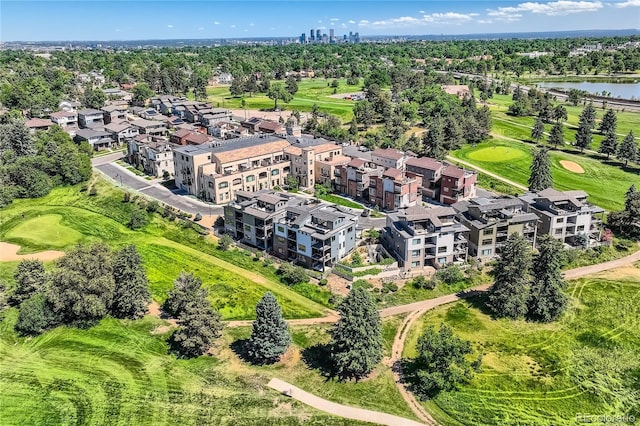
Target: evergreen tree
[[292, 85], [453, 136], [200, 326], [628, 220], [509, 293], [538, 129], [353, 128], [433, 141], [628, 150], [270, 337], [609, 145], [30, 279], [356, 339], [237, 87], [556, 136], [585, 126], [131, 296], [609, 122], [559, 113], [540, 177], [186, 289], [548, 300]]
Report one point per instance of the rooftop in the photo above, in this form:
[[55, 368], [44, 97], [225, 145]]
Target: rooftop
[[391, 153]]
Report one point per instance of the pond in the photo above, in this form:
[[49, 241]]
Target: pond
[[616, 90]]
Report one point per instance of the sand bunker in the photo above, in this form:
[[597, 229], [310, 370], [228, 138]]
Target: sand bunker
[[9, 253], [571, 166]]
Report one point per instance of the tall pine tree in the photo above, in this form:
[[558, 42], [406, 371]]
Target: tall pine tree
[[270, 337], [556, 136], [585, 126], [356, 339], [540, 177], [609, 122], [548, 300], [186, 288], [200, 326], [628, 150], [509, 293], [433, 141], [131, 296], [538, 129], [610, 144]]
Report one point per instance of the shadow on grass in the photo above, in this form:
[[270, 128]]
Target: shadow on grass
[[478, 300], [241, 348], [318, 357]]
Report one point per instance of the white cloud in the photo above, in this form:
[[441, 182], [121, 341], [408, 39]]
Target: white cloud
[[449, 18], [169, 26], [485, 21], [555, 8], [201, 29], [252, 24], [216, 23], [334, 19], [505, 14], [343, 25], [628, 3], [233, 25], [351, 21], [422, 12], [363, 22]]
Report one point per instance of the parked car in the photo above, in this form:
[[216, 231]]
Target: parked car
[[365, 212], [363, 148]]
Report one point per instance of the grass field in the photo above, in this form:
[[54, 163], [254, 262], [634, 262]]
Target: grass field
[[544, 374], [67, 216], [310, 91], [342, 201], [606, 184]]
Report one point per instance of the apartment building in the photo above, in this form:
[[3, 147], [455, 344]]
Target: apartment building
[[394, 189], [155, 154], [312, 160], [250, 217], [430, 170], [567, 216], [389, 158], [492, 220], [457, 184], [315, 235], [421, 238], [353, 178]]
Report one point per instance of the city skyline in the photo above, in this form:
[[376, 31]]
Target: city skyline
[[74, 20]]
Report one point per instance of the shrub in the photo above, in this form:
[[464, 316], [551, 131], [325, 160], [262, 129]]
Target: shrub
[[126, 197], [422, 282], [153, 206], [292, 275], [225, 242], [93, 191], [138, 219], [198, 217], [35, 316], [166, 175], [390, 287], [356, 259], [219, 221], [361, 284], [450, 274], [323, 282]]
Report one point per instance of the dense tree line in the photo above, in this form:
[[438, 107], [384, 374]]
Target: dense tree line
[[31, 165], [88, 283]]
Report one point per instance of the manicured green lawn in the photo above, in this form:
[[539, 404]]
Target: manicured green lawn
[[310, 91], [43, 231], [119, 373], [606, 184], [235, 281], [341, 201], [545, 374]]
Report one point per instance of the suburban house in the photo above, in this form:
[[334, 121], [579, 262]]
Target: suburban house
[[457, 184], [90, 117], [315, 235], [209, 117], [566, 216], [394, 189], [121, 131], [421, 238], [224, 78], [98, 139], [68, 120], [149, 114], [459, 90], [38, 124], [353, 179], [389, 158], [114, 113], [271, 127], [196, 138], [490, 222], [148, 127], [118, 94], [69, 106]]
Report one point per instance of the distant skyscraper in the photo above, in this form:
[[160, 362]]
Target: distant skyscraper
[[303, 38], [332, 37], [318, 34], [312, 35]]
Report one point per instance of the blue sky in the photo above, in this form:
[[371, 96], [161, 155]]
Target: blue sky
[[132, 20]]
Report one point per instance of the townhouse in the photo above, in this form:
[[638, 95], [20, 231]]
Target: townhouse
[[394, 189], [354, 178], [155, 154], [114, 113], [121, 132], [457, 184], [68, 120], [389, 158], [421, 238], [492, 220], [149, 127], [430, 170], [98, 138], [312, 160]]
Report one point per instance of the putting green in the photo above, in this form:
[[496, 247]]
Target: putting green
[[496, 154], [44, 231]]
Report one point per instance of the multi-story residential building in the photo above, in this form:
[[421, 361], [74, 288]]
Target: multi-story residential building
[[187, 163], [431, 172], [121, 132], [389, 158], [311, 160], [251, 216], [68, 120], [394, 190], [149, 127], [208, 118], [457, 184], [315, 235], [98, 139], [353, 179], [490, 222], [567, 216], [418, 237], [114, 113], [90, 117], [38, 124]]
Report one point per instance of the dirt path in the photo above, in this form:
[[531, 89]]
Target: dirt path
[[155, 311], [486, 172], [572, 274], [345, 411], [9, 253]]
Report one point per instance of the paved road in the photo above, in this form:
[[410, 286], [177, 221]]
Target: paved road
[[345, 411]]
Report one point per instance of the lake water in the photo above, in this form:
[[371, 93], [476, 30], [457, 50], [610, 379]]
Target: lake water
[[618, 90]]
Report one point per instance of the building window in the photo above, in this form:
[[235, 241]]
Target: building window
[[415, 253], [442, 260], [280, 228], [250, 178], [580, 228], [302, 247], [560, 220], [488, 231], [223, 185], [442, 249], [558, 231], [275, 172], [486, 252], [247, 228], [280, 240], [486, 242], [415, 264], [210, 184], [416, 241]]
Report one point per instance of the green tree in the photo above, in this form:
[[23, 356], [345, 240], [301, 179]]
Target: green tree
[[441, 364], [609, 145], [609, 122], [356, 339], [291, 85], [131, 295], [81, 287], [433, 141], [356, 258], [574, 96], [237, 87], [538, 129], [142, 92], [225, 242], [628, 220], [628, 150], [509, 293], [36, 316], [364, 113], [277, 92], [30, 278], [270, 337], [583, 137], [187, 288], [292, 275], [200, 326], [94, 98], [15, 137], [540, 172], [556, 136], [547, 299], [139, 219], [559, 113]]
